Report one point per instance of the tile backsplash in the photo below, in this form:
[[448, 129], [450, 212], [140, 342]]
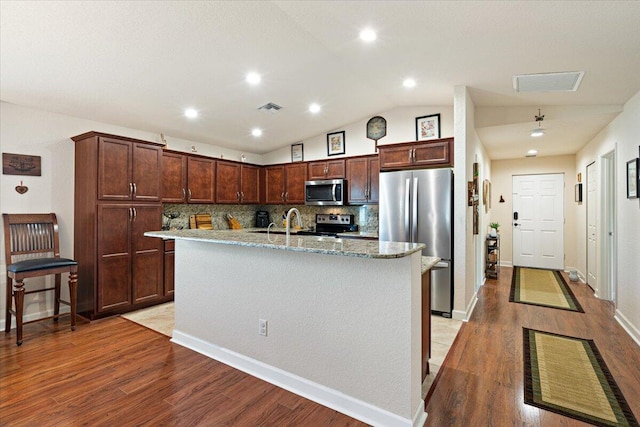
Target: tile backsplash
[[366, 216]]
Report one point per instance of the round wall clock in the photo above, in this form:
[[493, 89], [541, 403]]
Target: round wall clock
[[376, 128]]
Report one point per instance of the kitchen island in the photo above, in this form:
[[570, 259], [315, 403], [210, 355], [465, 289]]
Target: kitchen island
[[335, 320]]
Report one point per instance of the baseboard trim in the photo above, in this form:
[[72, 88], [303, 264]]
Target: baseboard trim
[[318, 393], [466, 315], [633, 332]]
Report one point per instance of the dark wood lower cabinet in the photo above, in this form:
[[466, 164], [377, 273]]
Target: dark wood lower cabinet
[[169, 266], [130, 266]]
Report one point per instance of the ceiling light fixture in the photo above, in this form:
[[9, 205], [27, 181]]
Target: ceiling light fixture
[[256, 132], [539, 131], [409, 83], [368, 35], [191, 113], [532, 153], [314, 108], [253, 78]]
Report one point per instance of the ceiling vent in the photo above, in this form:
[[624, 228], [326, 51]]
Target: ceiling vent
[[271, 107], [548, 82]]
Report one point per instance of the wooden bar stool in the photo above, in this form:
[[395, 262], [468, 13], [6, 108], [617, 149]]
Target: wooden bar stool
[[32, 249]]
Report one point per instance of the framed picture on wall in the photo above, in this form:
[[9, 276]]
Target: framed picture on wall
[[428, 127], [297, 153], [632, 179], [335, 143]]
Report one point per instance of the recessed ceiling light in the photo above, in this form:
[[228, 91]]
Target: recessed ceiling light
[[191, 113], [256, 132], [409, 83], [253, 78], [532, 152], [314, 108], [537, 132], [368, 35]]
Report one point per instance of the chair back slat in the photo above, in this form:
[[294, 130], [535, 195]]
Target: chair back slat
[[30, 234]]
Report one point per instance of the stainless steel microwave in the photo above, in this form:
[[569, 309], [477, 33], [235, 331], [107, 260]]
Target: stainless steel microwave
[[328, 192]]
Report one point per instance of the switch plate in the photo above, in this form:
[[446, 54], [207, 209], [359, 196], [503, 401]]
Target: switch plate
[[262, 327]]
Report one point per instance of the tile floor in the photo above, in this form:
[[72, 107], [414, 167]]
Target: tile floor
[[443, 332]]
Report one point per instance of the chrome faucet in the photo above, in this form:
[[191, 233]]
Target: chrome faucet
[[293, 210]]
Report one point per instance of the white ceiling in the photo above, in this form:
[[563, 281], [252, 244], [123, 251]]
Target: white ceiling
[[139, 64]]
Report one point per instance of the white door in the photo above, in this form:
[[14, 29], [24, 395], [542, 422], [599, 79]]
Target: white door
[[592, 197], [538, 221]]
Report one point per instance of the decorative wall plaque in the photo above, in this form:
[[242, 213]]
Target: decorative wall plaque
[[20, 164]]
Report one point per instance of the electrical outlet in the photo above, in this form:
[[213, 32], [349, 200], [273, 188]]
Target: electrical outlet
[[262, 327]]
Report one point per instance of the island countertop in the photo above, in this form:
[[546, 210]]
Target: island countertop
[[323, 245]]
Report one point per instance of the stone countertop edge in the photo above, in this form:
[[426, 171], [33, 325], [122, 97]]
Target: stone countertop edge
[[314, 244], [428, 262]]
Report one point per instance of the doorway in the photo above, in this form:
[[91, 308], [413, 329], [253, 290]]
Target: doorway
[[608, 279], [538, 221]]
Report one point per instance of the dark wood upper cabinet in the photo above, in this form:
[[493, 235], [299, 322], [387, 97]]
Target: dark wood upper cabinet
[[329, 169], [201, 180], [411, 155], [295, 176], [274, 184], [237, 183], [128, 170], [250, 184], [285, 183], [228, 182], [174, 177], [362, 179]]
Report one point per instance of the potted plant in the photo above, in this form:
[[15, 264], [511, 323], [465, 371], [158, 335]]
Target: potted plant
[[494, 226]]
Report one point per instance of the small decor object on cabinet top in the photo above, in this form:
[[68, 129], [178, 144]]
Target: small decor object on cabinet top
[[428, 127], [335, 143], [493, 229], [632, 179], [297, 153]]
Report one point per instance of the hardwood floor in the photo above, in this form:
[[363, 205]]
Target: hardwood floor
[[113, 372], [481, 380]]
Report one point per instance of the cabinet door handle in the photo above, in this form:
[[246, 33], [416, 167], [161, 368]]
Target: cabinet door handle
[[282, 196], [237, 195], [189, 191], [184, 194], [241, 195], [135, 214], [131, 189], [135, 189], [130, 214]]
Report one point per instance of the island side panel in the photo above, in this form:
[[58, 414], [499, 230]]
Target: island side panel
[[351, 324]]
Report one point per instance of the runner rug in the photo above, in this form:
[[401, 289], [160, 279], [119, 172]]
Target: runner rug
[[545, 288], [568, 376]]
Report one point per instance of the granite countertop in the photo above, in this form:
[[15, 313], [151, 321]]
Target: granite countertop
[[323, 245], [428, 262]]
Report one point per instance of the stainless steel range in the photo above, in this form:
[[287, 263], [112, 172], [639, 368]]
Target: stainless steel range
[[332, 224]]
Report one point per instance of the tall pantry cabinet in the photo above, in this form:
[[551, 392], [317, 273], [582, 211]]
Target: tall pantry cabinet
[[117, 199]]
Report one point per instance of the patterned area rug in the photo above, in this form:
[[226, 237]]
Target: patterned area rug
[[545, 288], [568, 376]]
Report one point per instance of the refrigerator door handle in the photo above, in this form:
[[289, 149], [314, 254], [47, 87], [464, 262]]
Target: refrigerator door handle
[[441, 264], [414, 199], [407, 205]]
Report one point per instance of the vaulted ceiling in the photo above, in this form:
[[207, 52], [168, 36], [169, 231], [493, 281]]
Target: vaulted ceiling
[[139, 64]]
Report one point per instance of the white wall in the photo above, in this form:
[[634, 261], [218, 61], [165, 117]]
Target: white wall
[[502, 172], [466, 255], [623, 136], [401, 127]]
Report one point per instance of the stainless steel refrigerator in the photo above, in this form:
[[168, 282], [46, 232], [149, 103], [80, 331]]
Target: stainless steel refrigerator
[[417, 206]]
